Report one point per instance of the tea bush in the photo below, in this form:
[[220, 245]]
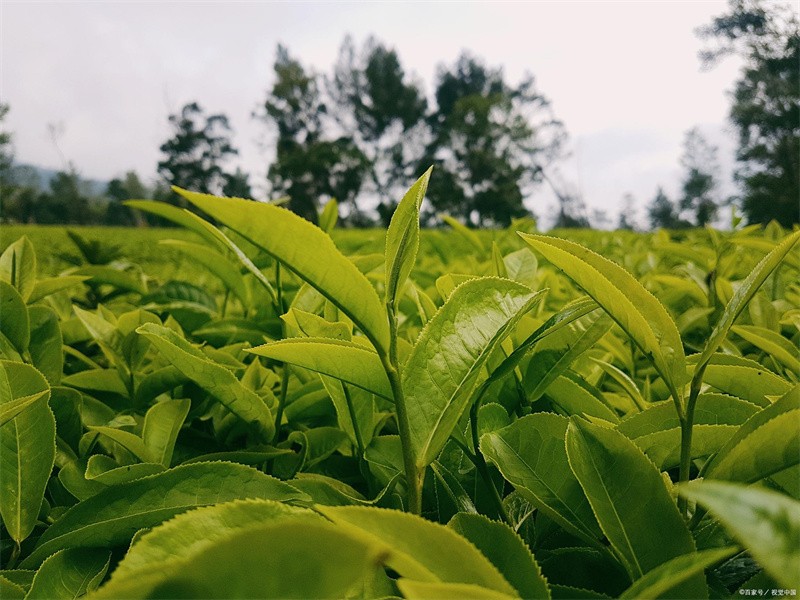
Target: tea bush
[[447, 418]]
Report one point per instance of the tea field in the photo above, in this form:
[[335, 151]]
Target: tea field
[[245, 406]]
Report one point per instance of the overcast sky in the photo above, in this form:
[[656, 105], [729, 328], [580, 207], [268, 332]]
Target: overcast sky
[[624, 77]]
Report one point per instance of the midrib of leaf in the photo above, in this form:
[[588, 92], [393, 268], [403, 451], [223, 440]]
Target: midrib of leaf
[[393, 283], [19, 475], [616, 514]]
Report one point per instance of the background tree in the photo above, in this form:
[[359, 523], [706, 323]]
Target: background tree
[[663, 213], [129, 187], [490, 143], [627, 216], [308, 166], [195, 154], [698, 190], [383, 111], [766, 104], [237, 185]]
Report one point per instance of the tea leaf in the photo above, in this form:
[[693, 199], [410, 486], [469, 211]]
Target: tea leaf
[[634, 309], [612, 471], [195, 530], [306, 250], [347, 361], [426, 590], [769, 449], [764, 522], [402, 238], [772, 343], [45, 343], [744, 293], [212, 377], [417, 548], [755, 431], [530, 454], [216, 264], [27, 451], [69, 574], [449, 355], [661, 581], [281, 562], [111, 517], [554, 355], [161, 426], [51, 285], [501, 545], [9, 409], [15, 324], [121, 280], [18, 267]]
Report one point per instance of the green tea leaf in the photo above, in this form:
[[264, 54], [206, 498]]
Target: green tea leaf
[[766, 523], [161, 426], [18, 266], [521, 266], [744, 293], [530, 454], [450, 353], [111, 517], [755, 431], [348, 361], [314, 326], [69, 574], [612, 471], [103, 469], [207, 231], [661, 581], [45, 342], [329, 215], [195, 530], [284, 559], [571, 397], [664, 447], [212, 377], [426, 590], [97, 380], [402, 238], [121, 280], [51, 285], [306, 250], [553, 355], [15, 324], [710, 409], [10, 590], [501, 545], [418, 548], [572, 311], [13, 407], [769, 449], [27, 451], [216, 264], [131, 442], [748, 383], [772, 343], [634, 309], [465, 232]]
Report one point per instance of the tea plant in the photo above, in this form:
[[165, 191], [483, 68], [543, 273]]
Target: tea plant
[[445, 419]]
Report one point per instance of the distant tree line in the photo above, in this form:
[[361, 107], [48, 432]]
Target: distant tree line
[[364, 131]]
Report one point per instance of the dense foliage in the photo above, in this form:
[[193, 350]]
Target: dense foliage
[[446, 418]]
